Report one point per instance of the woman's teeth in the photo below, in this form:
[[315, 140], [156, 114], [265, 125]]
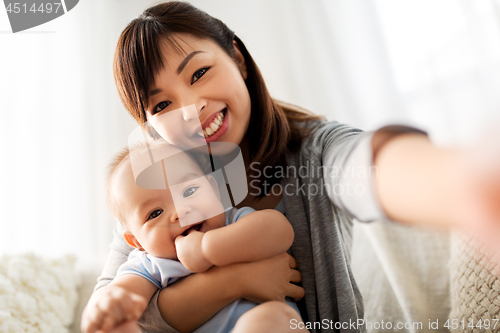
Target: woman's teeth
[[213, 127]]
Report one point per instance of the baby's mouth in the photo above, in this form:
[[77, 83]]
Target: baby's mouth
[[195, 227]]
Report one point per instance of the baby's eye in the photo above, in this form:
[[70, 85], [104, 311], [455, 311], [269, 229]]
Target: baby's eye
[[189, 191], [155, 214], [198, 74], [160, 106]]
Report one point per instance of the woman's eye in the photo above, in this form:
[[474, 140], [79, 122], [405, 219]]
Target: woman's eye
[[189, 192], [160, 106], [155, 214], [198, 74]]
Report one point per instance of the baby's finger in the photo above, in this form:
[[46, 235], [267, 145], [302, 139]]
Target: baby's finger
[[112, 308], [178, 240], [108, 324], [92, 320], [90, 327]]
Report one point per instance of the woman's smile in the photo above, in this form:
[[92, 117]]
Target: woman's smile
[[215, 126]]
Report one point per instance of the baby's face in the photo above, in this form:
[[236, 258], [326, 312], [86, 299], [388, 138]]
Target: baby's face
[[153, 216]]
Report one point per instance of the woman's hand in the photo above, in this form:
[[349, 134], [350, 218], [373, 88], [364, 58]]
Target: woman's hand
[[478, 212], [422, 184], [269, 279]]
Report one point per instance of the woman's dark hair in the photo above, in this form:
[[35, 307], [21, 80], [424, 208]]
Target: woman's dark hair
[[275, 128]]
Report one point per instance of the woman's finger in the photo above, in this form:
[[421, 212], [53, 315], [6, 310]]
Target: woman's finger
[[296, 276], [295, 292], [293, 262]]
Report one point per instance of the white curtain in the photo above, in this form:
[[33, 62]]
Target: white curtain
[[366, 63], [61, 122], [446, 57]]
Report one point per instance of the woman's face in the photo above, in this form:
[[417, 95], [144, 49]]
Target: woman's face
[[200, 95]]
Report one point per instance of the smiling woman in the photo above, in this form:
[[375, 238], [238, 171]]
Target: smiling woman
[[158, 52], [197, 66], [390, 61], [208, 79]]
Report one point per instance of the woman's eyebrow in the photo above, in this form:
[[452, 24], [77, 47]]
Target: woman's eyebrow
[[186, 60]]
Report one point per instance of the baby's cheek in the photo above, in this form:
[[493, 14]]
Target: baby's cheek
[[214, 210]]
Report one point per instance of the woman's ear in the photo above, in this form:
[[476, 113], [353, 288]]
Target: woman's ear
[[131, 240], [213, 182], [240, 60]]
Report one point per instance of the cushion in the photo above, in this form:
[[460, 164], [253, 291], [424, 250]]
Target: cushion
[[37, 294]]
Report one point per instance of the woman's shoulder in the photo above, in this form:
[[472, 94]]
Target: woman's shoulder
[[324, 134]]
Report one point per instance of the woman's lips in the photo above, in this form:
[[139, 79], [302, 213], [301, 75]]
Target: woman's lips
[[210, 119], [222, 128], [200, 138]]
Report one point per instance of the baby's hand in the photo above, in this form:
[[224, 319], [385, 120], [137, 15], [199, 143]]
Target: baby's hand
[[110, 307], [190, 253]]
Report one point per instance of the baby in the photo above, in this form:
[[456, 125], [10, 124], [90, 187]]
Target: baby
[[166, 251]]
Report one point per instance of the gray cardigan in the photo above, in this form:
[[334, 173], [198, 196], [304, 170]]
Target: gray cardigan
[[334, 165]]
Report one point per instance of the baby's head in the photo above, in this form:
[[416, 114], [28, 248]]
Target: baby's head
[[152, 218]]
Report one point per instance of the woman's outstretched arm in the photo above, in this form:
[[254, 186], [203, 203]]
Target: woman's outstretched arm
[[397, 173], [419, 183]]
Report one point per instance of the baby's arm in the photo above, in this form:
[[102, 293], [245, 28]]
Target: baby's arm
[[123, 300], [198, 297], [256, 236]]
